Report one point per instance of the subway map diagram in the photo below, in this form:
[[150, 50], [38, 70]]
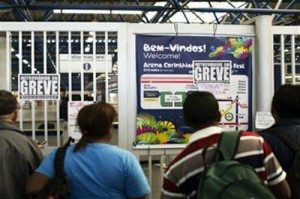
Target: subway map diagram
[[168, 92]]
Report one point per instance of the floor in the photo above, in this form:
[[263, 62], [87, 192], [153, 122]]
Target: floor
[[156, 179]]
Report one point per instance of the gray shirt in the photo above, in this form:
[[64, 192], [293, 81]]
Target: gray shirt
[[19, 157]]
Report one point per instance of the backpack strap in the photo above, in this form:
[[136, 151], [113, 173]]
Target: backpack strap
[[228, 144], [60, 157], [283, 137]]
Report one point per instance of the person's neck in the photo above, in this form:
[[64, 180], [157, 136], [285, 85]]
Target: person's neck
[[103, 140], [9, 118], [203, 126], [5, 120]]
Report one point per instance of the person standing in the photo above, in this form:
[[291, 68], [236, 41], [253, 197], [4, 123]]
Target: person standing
[[285, 109], [19, 155], [94, 168], [202, 115]]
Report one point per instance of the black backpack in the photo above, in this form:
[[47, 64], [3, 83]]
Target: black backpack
[[58, 187], [226, 178], [293, 174]]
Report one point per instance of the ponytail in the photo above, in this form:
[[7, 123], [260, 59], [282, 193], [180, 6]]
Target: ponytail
[[81, 143]]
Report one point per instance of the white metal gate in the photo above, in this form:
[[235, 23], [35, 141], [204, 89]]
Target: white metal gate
[[286, 59], [86, 56]]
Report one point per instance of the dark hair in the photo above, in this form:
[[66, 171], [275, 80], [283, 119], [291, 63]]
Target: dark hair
[[286, 101], [94, 121], [8, 102], [200, 109]]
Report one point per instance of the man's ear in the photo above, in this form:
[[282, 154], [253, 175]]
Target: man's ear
[[14, 116]]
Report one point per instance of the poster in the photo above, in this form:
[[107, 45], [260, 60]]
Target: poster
[[168, 67], [39, 86], [73, 109]]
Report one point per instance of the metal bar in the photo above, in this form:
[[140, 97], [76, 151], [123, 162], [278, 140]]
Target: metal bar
[[253, 2], [282, 60], [81, 63], [276, 8], [106, 67], [45, 101], [33, 127], [69, 62], [163, 8], [8, 61], [57, 101], [20, 72], [94, 68], [216, 17], [238, 8], [288, 6], [293, 60], [150, 169]]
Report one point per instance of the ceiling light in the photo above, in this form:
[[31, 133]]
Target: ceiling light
[[89, 39], [127, 12], [87, 48], [80, 11]]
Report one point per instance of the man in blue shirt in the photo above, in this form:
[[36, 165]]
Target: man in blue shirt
[[286, 112]]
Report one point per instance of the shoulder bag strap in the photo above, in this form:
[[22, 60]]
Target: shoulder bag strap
[[60, 157], [228, 144], [283, 137]]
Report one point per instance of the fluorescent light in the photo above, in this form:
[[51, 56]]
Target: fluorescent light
[[126, 12], [80, 11], [76, 11]]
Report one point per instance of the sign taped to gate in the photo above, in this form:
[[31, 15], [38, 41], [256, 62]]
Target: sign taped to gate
[[39, 86]]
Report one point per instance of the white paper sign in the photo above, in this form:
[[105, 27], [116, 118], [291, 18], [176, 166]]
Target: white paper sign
[[263, 120], [73, 109], [39, 86], [77, 63]]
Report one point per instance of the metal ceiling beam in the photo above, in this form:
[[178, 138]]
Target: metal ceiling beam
[[162, 8], [171, 14], [290, 5], [21, 9]]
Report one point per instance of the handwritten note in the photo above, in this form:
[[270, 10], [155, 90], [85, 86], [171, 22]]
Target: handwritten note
[[263, 119]]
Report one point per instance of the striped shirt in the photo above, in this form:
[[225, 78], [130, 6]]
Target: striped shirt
[[182, 175]]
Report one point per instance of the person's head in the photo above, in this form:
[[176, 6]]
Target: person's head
[[95, 123], [286, 102], [63, 91], [201, 110], [8, 106]]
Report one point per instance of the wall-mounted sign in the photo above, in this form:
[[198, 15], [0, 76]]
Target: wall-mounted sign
[[77, 63], [39, 86], [170, 67]]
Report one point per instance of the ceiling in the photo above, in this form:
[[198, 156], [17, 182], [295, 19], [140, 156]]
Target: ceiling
[[286, 12]]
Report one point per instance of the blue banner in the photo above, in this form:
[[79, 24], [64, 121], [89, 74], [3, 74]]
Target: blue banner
[[168, 67]]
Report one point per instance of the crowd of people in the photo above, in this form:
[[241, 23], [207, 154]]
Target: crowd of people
[[96, 169]]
